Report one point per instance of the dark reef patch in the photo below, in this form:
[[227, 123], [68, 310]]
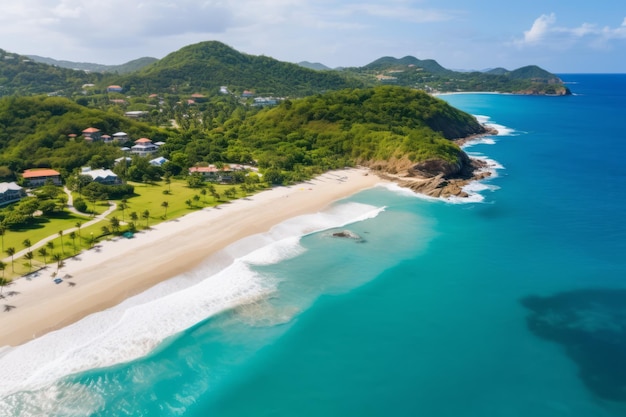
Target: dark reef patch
[[591, 326]]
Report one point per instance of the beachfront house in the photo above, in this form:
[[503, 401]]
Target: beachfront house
[[102, 176], [10, 192], [143, 147], [38, 177], [214, 174]]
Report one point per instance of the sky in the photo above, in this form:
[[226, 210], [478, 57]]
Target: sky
[[562, 36]]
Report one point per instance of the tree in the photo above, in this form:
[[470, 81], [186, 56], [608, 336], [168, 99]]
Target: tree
[[4, 282], [78, 225], [29, 256], [61, 236], [58, 258], [203, 192], [73, 237], [11, 251], [43, 252], [115, 224], [50, 245], [188, 202], [165, 205], [122, 206], [146, 215], [3, 230], [105, 230], [27, 243], [133, 216]]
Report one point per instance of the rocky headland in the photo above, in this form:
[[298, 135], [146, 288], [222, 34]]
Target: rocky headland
[[436, 177]]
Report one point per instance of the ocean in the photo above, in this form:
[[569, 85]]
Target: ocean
[[510, 303]]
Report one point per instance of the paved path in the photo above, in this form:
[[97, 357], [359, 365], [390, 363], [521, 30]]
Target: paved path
[[70, 206]]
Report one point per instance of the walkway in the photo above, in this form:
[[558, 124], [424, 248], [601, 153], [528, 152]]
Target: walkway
[[70, 206]]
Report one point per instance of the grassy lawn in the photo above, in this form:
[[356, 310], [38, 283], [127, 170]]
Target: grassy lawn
[[180, 198]]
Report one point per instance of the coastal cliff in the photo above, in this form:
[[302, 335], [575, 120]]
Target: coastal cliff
[[436, 177]]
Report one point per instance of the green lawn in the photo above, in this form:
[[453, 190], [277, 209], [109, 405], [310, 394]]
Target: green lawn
[[180, 199]]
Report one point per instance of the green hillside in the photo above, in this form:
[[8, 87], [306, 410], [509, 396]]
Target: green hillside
[[430, 76], [131, 66], [353, 126], [208, 65], [22, 76], [34, 133]]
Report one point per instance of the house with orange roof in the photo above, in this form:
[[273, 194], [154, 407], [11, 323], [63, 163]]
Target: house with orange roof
[[38, 176], [143, 147], [92, 134], [114, 89]]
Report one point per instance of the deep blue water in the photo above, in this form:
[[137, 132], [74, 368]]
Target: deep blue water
[[512, 306]]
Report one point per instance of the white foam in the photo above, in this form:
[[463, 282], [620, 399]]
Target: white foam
[[502, 130], [134, 328]]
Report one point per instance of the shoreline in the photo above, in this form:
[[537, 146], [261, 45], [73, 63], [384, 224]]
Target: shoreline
[[115, 270]]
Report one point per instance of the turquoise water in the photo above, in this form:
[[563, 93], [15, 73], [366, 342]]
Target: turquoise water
[[425, 312]]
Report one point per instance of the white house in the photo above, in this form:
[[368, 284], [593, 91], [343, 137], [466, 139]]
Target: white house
[[159, 161], [10, 192], [103, 176], [120, 136], [143, 147]]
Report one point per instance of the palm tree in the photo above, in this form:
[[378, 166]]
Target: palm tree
[[3, 266], [203, 192], [58, 258], [146, 215], [165, 205], [122, 206], [188, 202], [3, 230], [196, 198], [133, 216], [29, 256], [27, 243], [11, 252], [115, 224], [50, 245], [78, 225], [61, 236], [43, 252], [73, 237]]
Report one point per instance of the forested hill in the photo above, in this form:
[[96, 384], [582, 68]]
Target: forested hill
[[34, 133], [210, 65], [20, 75], [354, 126], [430, 76], [131, 66]]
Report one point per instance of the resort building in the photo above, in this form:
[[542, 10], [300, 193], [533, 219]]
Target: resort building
[[10, 192], [143, 147], [159, 161], [215, 174], [120, 137], [38, 177], [102, 176], [91, 134]]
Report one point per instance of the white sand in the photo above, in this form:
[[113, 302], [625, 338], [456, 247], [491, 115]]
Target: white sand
[[118, 269]]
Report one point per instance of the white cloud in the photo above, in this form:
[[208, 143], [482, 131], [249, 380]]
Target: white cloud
[[539, 29], [545, 32]]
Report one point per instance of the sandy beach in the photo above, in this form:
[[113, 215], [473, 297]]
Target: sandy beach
[[115, 270]]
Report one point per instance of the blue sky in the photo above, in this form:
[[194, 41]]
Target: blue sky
[[560, 36]]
